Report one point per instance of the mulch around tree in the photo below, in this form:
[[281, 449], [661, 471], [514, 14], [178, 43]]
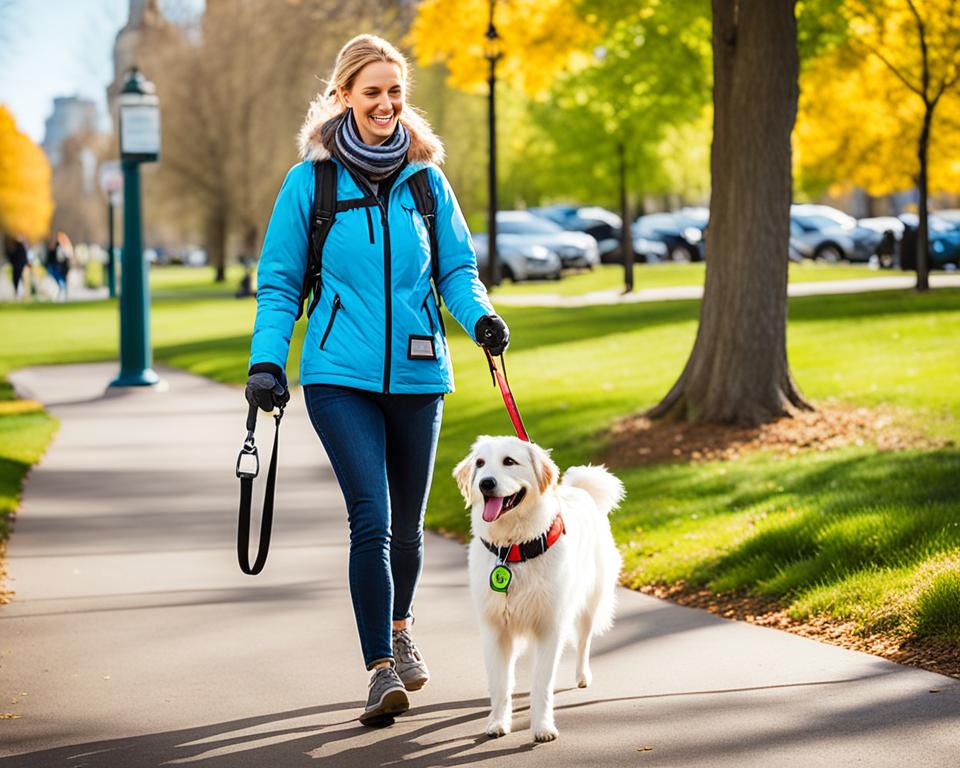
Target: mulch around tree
[[927, 653], [635, 440]]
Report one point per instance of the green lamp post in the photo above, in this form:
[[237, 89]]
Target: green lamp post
[[139, 143]]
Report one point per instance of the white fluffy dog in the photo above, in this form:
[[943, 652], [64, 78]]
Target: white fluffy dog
[[557, 586]]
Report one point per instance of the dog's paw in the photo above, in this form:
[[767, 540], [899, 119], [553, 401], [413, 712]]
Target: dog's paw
[[497, 728], [547, 732], [584, 679]]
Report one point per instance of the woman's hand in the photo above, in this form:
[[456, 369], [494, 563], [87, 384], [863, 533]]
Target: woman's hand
[[492, 334], [266, 390]]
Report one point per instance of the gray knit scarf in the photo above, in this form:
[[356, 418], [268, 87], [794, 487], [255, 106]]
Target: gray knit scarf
[[375, 161]]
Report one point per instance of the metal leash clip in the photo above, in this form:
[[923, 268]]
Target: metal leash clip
[[244, 460], [248, 456]]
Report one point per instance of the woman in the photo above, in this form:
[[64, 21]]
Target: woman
[[375, 364]]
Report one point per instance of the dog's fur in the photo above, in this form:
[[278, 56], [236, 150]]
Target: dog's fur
[[564, 595]]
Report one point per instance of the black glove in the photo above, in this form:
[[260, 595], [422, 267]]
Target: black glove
[[267, 387], [491, 332]]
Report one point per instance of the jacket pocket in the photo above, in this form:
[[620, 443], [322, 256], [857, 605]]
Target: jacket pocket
[[425, 306], [337, 306], [419, 227]]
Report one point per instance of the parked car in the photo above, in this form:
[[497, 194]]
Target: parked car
[[680, 232], [519, 260], [575, 249], [650, 251], [951, 215], [883, 223], [828, 234], [943, 249], [602, 225], [887, 249]]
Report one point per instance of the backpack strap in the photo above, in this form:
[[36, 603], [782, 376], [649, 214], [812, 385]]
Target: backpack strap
[[426, 204], [322, 214]]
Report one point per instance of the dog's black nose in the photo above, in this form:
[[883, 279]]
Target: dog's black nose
[[488, 484]]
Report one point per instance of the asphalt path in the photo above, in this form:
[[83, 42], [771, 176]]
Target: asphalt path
[[133, 640]]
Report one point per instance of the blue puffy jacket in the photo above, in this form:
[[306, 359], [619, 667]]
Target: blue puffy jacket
[[376, 325]]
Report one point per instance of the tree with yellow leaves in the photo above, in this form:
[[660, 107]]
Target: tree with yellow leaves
[[541, 38], [599, 96], [26, 203], [881, 108]]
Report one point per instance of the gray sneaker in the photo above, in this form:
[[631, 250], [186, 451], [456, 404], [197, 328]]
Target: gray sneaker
[[386, 698], [410, 667]]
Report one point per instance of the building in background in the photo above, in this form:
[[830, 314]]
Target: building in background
[[72, 116]]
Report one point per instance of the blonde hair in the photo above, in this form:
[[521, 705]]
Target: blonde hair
[[358, 53], [325, 110]]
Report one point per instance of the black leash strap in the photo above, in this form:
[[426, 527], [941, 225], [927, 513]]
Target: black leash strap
[[248, 467]]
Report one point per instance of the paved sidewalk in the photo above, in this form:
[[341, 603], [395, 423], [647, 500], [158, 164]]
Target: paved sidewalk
[[642, 295], [77, 291], [134, 640]]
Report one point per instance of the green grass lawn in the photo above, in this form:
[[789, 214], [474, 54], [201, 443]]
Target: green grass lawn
[[853, 533], [25, 432], [608, 277]]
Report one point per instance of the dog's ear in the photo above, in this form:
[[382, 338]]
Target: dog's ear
[[463, 473], [546, 471]]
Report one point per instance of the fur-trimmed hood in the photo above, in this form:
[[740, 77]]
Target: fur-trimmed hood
[[316, 137]]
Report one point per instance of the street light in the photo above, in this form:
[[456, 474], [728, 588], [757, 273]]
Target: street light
[[139, 143], [492, 53], [111, 184]]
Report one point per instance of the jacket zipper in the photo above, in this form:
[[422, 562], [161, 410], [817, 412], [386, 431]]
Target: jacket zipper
[[337, 306], [369, 224], [388, 304], [388, 342], [426, 309]]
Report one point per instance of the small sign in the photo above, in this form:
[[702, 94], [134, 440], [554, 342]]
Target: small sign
[[139, 132]]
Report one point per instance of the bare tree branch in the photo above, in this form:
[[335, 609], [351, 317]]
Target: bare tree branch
[[924, 53], [901, 77]]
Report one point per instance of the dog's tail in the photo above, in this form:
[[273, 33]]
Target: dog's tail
[[605, 488]]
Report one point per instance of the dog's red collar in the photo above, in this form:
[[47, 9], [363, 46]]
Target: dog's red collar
[[518, 553]]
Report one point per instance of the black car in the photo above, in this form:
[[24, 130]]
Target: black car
[[681, 232]]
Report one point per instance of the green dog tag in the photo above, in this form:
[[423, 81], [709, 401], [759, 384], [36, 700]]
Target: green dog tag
[[500, 578]]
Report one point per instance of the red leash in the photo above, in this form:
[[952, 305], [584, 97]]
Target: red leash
[[501, 380]]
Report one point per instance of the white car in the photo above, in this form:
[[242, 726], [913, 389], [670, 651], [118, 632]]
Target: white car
[[519, 260], [882, 223], [824, 233], [575, 249]]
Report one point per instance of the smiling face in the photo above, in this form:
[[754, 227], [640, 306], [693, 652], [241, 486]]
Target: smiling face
[[502, 473], [377, 99]]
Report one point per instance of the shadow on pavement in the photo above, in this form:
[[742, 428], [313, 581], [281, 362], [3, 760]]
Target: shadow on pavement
[[305, 736]]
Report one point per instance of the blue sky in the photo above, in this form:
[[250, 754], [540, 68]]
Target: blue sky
[[56, 48]]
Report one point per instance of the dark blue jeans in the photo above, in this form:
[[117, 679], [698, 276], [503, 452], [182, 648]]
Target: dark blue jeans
[[382, 448]]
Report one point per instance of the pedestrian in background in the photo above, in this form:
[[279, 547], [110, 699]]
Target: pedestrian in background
[[17, 256], [52, 265], [375, 364], [64, 261]]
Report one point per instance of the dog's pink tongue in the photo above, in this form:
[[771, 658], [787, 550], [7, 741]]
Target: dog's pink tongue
[[491, 508]]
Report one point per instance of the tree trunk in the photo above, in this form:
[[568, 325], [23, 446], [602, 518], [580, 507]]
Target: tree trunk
[[217, 243], [738, 371], [923, 237]]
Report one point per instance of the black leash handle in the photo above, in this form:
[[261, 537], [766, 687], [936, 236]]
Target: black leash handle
[[248, 467]]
